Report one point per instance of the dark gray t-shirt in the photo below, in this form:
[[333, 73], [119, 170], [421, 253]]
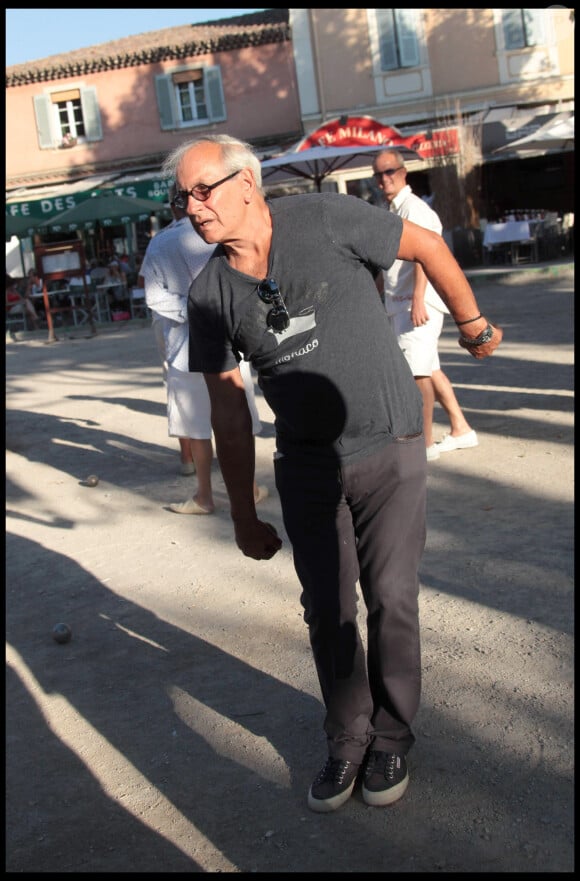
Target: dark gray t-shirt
[[336, 379]]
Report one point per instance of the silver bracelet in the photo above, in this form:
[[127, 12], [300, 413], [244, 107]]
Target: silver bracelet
[[484, 337]]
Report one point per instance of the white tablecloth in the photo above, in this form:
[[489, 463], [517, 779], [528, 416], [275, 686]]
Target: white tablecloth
[[510, 231]]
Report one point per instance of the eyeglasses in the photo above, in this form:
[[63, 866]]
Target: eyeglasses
[[201, 192], [388, 172], [278, 318]]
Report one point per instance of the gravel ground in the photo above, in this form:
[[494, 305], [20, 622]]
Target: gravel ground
[[180, 728]]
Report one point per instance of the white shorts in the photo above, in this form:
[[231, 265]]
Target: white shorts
[[419, 344], [188, 404]]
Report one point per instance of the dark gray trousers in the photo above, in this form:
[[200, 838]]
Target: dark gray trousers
[[362, 523]]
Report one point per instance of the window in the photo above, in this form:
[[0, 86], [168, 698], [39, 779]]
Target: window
[[398, 41], [64, 117], [190, 93], [522, 28], [69, 113], [190, 97]]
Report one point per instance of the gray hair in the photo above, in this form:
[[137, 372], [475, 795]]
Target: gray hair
[[235, 154], [393, 152]]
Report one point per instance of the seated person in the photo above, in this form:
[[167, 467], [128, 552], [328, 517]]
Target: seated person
[[35, 285], [117, 273], [34, 290], [99, 273]]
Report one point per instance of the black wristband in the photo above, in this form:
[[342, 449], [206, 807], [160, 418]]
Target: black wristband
[[483, 338], [469, 320]]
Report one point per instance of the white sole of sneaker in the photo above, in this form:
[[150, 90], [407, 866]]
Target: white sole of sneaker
[[324, 806], [462, 442], [386, 797]]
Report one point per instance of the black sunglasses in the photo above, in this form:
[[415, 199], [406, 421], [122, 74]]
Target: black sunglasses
[[201, 192], [278, 318], [389, 172]]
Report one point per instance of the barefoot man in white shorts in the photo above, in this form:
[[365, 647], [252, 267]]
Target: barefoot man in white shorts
[[173, 259]]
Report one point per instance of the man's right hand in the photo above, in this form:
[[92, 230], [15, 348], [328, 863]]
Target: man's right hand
[[486, 349], [257, 539]]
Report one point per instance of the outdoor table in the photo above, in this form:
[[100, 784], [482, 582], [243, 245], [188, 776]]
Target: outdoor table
[[507, 238], [40, 295], [81, 313], [53, 296], [76, 304]]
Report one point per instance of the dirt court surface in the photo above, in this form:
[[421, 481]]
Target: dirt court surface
[[180, 728]]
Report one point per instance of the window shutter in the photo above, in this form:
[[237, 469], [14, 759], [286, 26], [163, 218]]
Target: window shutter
[[164, 91], [407, 30], [91, 114], [387, 41], [513, 31], [214, 94], [43, 113]]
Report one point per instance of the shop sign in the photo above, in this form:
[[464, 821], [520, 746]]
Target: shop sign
[[365, 131], [156, 189], [44, 209]]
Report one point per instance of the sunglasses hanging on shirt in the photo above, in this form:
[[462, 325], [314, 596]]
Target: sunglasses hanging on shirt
[[278, 318]]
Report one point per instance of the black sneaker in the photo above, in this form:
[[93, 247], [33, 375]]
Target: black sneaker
[[385, 779], [333, 786]]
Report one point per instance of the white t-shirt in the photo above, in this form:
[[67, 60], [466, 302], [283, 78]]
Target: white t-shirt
[[174, 257]]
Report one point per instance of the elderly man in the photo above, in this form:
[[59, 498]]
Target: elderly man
[[291, 286]]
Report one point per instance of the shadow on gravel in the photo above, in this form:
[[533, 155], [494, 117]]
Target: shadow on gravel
[[164, 703], [156, 694], [81, 447]]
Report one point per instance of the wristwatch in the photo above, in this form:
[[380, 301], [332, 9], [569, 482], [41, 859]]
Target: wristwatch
[[484, 337]]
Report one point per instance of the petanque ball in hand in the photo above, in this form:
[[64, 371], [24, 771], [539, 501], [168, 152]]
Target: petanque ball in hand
[[61, 633], [92, 480]]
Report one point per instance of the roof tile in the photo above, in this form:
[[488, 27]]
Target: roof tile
[[253, 29]]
